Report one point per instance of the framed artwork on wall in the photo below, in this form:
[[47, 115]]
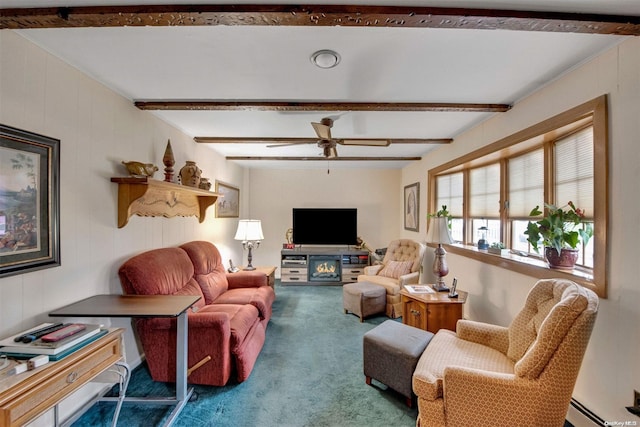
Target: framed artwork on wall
[[412, 206], [227, 206], [29, 201]]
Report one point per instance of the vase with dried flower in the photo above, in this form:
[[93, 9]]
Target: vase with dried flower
[[560, 231]]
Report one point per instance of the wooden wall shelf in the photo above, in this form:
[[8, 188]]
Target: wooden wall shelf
[[150, 197]]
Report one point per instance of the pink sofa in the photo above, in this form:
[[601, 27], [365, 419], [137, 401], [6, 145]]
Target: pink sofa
[[228, 323]]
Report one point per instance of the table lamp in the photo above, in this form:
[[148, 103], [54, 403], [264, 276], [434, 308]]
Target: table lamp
[[439, 233], [250, 233]]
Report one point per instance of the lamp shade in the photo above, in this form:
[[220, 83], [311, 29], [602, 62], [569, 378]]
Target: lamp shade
[[249, 230], [439, 231]]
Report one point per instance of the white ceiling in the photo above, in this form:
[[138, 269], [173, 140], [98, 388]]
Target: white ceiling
[[378, 65]]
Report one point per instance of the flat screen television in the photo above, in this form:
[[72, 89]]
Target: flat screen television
[[325, 226]]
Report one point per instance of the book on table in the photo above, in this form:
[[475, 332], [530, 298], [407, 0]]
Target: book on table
[[10, 347], [420, 289]]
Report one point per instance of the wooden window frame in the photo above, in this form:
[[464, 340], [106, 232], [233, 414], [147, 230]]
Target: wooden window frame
[[595, 113]]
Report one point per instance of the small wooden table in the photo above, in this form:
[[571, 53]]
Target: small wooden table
[[26, 396], [146, 306], [432, 312], [270, 272]]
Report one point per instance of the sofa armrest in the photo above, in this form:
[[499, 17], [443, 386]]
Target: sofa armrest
[[372, 270], [494, 336], [247, 279], [409, 279]]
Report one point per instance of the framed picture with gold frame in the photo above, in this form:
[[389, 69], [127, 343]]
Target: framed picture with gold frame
[[29, 201], [227, 206]]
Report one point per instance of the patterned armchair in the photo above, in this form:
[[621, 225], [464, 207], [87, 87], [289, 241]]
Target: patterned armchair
[[400, 266], [521, 375]]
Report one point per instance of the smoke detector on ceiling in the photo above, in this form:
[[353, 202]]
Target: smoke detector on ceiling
[[325, 58]]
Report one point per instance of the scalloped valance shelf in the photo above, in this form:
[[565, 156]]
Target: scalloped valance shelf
[[150, 197]]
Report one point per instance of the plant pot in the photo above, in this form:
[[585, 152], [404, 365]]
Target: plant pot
[[498, 251], [565, 261]]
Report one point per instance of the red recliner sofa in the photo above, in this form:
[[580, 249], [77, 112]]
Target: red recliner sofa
[[228, 323]]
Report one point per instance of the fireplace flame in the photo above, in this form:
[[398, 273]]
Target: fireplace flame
[[325, 268]]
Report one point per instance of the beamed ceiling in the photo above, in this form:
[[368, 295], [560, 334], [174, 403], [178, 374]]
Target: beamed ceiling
[[238, 77]]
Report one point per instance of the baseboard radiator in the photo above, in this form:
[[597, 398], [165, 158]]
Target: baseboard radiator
[[579, 416]]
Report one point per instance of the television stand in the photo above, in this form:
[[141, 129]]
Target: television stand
[[322, 265]]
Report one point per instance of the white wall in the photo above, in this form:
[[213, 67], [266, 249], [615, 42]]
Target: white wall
[[610, 370], [97, 129], [376, 193]]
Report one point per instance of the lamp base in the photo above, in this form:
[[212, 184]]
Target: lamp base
[[249, 268], [440, 287]]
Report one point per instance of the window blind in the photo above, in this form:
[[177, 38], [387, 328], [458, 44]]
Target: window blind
[[449, 193], [573, 168], [484, 188], [526, 183]]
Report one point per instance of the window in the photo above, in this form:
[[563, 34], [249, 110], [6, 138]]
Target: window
[[495, 188], [449, 194]]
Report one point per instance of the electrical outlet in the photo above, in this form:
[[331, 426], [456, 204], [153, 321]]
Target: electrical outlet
[[636, 399]]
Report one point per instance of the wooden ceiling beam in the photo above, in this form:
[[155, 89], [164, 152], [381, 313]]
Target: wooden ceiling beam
[[319, 158], [275, 140], [317, 15], [202, 105]]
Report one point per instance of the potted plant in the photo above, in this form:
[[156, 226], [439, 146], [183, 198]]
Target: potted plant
[[560, 231], [498, 248]]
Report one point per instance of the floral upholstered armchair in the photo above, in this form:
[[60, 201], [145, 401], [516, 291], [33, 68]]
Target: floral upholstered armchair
[[521, 375], [400, 266]]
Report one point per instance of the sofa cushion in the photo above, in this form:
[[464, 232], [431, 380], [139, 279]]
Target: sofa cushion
[[395, 269], [209, 272], [446, 349], [242, 319], [166, 271], [261, 298]]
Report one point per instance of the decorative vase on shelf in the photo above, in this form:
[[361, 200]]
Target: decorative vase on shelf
[[204, 184], [566, 260], [190, 174]]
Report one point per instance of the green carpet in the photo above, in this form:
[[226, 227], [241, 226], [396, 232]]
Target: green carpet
[[308, 374]]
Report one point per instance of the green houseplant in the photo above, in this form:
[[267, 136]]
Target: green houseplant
[[560, 231], [498, 248]]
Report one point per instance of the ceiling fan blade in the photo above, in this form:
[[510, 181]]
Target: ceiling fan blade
[[286, 144], [366, 142], [323, 131]]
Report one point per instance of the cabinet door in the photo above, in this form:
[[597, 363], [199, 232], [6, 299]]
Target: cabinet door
[[443, 316], [415, 314]]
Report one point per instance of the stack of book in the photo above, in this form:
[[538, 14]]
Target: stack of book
[[30, 343]]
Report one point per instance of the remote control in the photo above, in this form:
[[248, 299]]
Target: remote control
[[34, 335], [67, 331]]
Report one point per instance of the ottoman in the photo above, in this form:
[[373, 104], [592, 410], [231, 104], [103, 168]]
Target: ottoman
[[391, 351], [363, 299]]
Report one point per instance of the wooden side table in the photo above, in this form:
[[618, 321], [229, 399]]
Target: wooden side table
[[270, 272], [25, 396], [432, 312]]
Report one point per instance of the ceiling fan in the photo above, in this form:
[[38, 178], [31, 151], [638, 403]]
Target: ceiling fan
[[328, 144]]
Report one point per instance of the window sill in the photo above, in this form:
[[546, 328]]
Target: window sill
[[528, 265]]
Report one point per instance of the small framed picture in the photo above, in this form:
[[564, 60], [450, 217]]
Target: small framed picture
[[412, 207], [227, 206]]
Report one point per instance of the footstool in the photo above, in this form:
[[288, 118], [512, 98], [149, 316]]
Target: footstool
[[391, 351], [363, 299]]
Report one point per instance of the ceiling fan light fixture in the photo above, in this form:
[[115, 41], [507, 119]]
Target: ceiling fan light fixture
[[325, 58], [330, 152]]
